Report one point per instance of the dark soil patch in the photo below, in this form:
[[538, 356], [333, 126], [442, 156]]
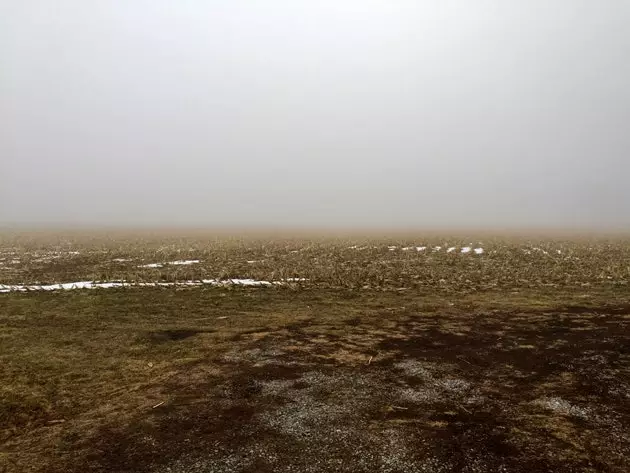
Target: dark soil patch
[[161, 336]]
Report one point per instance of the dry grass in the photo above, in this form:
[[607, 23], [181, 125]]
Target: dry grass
[[507, 263], [515, 362]]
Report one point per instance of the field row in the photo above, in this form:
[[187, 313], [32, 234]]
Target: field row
[[443, 265]]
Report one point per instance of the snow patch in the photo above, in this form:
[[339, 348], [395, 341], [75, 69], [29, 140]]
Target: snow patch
[[562, 406], [171, 263], [185, 262], [114, 284]]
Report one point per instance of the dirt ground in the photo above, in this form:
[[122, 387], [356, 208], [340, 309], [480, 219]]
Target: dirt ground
[[282, 381]]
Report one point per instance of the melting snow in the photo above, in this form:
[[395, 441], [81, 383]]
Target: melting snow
[[174, 263], [479, 251], [63, 286], [466, 249], [451, 249], [562, 406], [113, 284]]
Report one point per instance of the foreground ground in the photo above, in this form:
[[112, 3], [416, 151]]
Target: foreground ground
[[314, 379]]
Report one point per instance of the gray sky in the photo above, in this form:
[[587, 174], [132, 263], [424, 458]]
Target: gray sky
[[355, 112]]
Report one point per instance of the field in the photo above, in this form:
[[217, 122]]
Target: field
[[213, 353]]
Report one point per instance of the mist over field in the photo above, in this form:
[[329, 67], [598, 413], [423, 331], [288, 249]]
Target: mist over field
[[315, 114], [358, 236]]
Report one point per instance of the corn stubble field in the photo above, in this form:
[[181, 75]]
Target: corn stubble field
[[209, 353]]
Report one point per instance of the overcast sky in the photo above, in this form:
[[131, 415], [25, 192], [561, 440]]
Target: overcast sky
[[355, 112]]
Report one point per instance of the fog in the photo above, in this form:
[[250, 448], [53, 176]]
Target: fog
[[329, 113]]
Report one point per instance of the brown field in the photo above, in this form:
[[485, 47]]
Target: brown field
[[378, 359]]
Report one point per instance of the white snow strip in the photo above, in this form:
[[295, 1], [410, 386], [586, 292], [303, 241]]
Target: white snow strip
[[437, 248], [185, 262], [451, 249], [173, 263], [392, 248], [56, 287], [121, 260], [479, 251], [407, 248], [421, 248], [113, 284], [237, 282], [466, 249]]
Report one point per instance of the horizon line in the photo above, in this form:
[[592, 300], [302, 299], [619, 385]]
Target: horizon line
[[366, 230]]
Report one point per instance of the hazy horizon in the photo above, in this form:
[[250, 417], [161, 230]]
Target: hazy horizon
[[357, 114]]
